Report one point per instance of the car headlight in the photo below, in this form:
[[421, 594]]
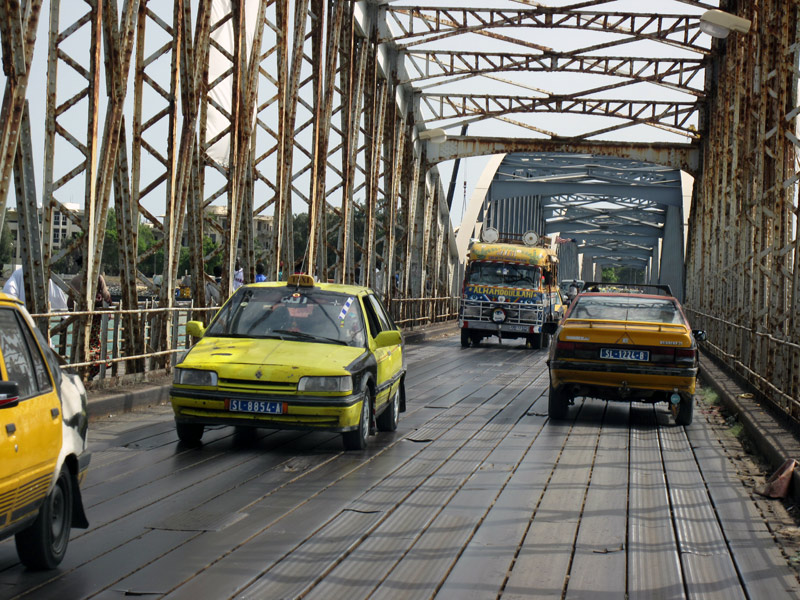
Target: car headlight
[[472, 311], [195, 377], [325, 384]]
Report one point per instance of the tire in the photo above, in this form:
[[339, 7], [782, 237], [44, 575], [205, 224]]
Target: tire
[[43, 544], [535, 341], [357, 440], [475, 339], [685, 411], [464, 338], [557, 405], [390, 417], [190, 433]]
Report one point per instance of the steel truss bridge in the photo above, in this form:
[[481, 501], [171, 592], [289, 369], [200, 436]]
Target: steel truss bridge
[[352, 112]]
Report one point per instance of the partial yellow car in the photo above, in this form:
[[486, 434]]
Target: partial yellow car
[[42, 442], [296, 355], [633, 343]]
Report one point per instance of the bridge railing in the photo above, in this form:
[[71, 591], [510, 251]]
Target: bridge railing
[[745, 343], [108, 361], [416, 312]]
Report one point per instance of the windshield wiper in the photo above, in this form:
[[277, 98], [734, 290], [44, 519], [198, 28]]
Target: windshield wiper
[[308, 336]]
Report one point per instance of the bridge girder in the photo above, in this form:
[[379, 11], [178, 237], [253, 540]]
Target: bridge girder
[[328, 100]]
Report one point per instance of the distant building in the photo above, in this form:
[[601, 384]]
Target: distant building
[[219, 214], [63, 229]]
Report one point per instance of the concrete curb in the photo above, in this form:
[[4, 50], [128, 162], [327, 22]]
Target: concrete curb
[[139, 396], [775, 439]]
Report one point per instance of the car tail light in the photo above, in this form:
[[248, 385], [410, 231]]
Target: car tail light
[[564, 349], [686, 356], [662, 355]]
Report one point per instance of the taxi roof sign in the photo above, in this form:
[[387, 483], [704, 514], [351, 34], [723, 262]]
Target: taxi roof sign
[[301, 280]]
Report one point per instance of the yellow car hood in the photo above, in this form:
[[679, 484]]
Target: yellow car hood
[[285, 360], [622, 332]]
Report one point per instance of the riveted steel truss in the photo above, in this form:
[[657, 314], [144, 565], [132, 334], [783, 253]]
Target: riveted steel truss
[[743, 281], [202, 118]]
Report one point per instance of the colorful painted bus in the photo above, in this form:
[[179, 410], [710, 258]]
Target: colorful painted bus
[[510, 291]]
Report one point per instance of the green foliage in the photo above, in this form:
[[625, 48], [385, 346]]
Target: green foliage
[[6, 247], [623, 275], [155, 263], [610, 275], [208, 247], [110, 259]]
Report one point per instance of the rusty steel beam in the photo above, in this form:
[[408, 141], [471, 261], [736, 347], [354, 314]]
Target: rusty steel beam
[[742, 273], [18, 25], [681, 74], [422, 25], [35, 276], [680, 156], [671, 115]]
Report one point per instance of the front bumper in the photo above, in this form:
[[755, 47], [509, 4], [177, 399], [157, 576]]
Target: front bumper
[[499, 327], [308, 412]]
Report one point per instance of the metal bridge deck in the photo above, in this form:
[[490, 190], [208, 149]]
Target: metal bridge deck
[[477, 495]]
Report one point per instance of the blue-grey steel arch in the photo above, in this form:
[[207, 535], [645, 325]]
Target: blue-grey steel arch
[[611, 211]]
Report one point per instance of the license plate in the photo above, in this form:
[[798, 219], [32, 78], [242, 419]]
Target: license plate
[[622, 354], [256, 406]]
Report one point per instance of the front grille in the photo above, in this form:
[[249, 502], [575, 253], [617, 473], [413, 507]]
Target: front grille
[[516, 313], [254, 384]]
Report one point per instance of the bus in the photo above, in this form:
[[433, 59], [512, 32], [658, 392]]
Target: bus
[[510, 290]]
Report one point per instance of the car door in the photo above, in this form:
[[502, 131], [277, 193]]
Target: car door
[[30, 431], [389, 358]]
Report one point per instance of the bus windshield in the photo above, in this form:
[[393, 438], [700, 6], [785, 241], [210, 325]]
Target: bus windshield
[[505, 275]]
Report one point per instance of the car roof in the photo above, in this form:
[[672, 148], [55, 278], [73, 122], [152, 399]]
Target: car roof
[[628, 295], [9, 298], [352, 290]]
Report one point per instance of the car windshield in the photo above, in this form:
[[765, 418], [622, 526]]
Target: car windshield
[[626, 308], [504, 274], [291, 314]]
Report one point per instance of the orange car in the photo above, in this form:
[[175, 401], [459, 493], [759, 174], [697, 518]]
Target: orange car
[[632, 343]]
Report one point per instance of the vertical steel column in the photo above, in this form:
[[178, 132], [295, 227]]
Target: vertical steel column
[[18, 26], [316, 230], [34, 277]]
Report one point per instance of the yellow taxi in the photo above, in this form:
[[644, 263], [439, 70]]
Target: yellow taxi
[[297, 355], [632, 343], [44, 426]]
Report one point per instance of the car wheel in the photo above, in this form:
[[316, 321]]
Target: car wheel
[[44, 543], [475, 339], [557, 404], [464, 338], [357, 440], [191, 433], [535, 341], [685, 411], [390, 417]]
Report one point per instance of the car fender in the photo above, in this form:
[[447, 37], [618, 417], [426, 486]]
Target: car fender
[[74, 439]]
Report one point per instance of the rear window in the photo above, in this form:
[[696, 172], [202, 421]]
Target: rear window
[[625, 308]]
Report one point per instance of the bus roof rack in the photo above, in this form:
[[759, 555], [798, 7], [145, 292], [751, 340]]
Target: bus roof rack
[[595, 286]]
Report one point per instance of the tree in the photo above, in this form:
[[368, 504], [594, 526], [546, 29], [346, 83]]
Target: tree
[[110, 259], [6, 247]]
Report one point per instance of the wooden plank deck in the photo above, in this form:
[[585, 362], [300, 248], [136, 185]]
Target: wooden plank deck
[[477, 495]]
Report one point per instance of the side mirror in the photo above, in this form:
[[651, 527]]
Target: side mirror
[[195, 328], [388, 338], [699, 335], [550, 327], [9, 394]]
